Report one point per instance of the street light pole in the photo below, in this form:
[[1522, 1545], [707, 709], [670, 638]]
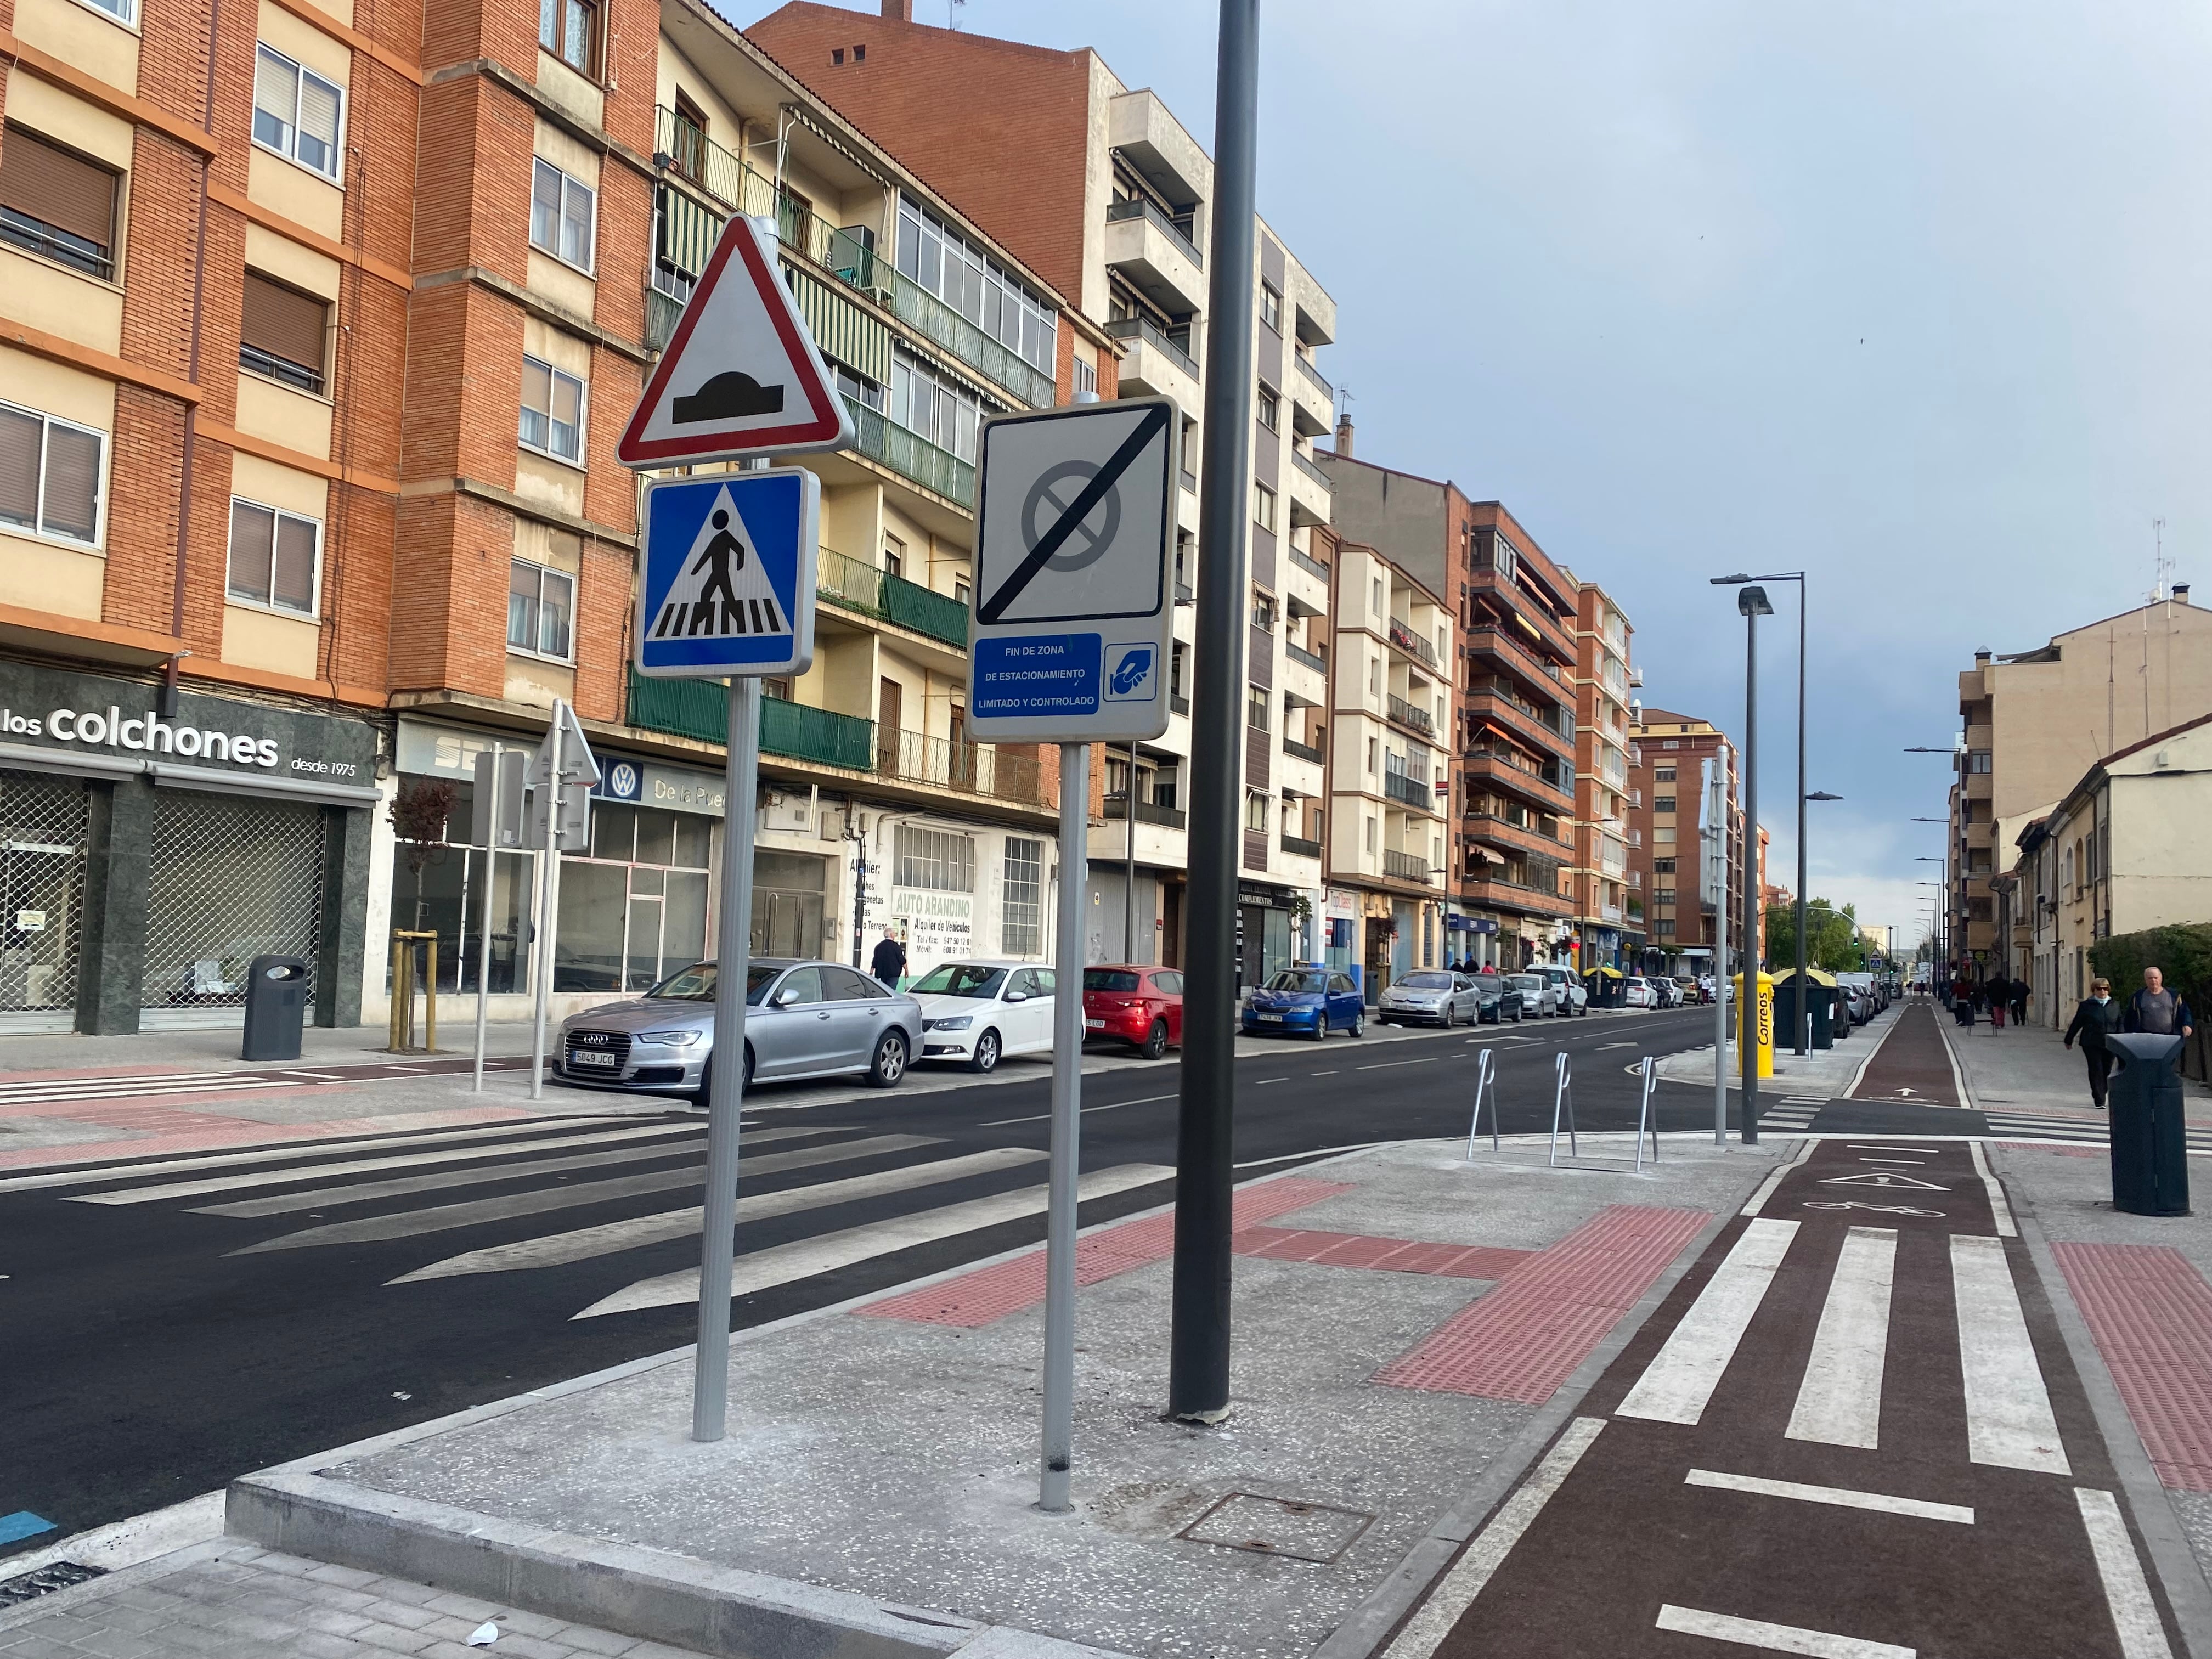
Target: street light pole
[[1752, 602]]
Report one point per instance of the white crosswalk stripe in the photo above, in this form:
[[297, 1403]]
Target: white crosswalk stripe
[[2008, 1418], [1681, 1379], [1839, 1401]]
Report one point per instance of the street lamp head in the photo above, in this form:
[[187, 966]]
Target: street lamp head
[[1927, 820], [1752, 602], [1731, 581], [1822, 794], [1920, 751]]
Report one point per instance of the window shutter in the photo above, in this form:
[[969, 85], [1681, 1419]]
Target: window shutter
[[276, 87], [292, 582], [253, 529], [318, 110], [72, 484], [19, 468], [45, 182], [283, 322]]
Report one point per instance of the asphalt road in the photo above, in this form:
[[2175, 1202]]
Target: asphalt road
[[160, 1341]]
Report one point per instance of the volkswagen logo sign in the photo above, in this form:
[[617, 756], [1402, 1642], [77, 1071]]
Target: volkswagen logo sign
[[623, 781]]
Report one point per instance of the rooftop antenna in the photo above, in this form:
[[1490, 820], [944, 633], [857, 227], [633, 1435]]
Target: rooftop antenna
[[954, 10]]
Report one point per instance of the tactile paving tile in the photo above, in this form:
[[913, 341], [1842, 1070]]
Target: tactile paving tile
[[990, 1293], [1526, 1338], [2151, 1314], [1396, 1255]]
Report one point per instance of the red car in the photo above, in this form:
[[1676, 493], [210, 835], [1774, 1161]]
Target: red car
[[1134, 1003]]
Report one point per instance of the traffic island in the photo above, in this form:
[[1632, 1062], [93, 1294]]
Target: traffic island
[[1411, 1329]]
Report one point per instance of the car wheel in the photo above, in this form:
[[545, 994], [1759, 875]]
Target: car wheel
[[1321, 1026], [1155, 1041], [889, 1063], [1359, 1024], [986, 1056], [1451, 1017]]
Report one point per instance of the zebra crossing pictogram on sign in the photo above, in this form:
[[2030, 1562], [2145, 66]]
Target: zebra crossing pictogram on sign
[[723, 592], [728, 585]]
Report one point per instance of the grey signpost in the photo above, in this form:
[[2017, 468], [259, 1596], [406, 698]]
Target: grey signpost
[[1068, 643], [559, 821]]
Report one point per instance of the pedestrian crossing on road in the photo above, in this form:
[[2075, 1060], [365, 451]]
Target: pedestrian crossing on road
[[2086, 1131], [1790, 1112]]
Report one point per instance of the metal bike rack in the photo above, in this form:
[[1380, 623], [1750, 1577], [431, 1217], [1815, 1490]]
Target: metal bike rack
[[1486, 1079], [1563, 1099]]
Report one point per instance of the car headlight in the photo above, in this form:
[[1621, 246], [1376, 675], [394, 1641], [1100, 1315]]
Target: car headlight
[[671, 1039], [959, 1023]]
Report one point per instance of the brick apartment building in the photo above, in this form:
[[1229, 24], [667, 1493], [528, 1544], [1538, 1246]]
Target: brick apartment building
[[1667, 755], [1610, 863], [1506, 883], [317, 332], [1103, 191]]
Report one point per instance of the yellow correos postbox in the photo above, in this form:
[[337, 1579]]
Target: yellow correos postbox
[[1764, 1033]]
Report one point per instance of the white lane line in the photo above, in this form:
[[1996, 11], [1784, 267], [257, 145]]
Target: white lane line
[[1839, 1400], [1775, 1638], [123, 1169], [1681, 1379], [152, 1090], [1602, 1047], [362, 1165], [806, 1257], [1455, 1593], [1046, 1117], [1757, 1199], [2008, 1421], [1841, 1497], [1318, 1152], [2135, 1615], [325, 1197], [1257, 1081], [2000, 1211], [1861, 1146], [1385, 1064], [444, 1218], [612, 1238], [1328, 1073]]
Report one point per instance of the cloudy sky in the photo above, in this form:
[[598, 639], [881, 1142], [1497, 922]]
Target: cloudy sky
[[1911, 296]]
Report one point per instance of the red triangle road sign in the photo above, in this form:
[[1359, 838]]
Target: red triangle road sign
[[741, 376]]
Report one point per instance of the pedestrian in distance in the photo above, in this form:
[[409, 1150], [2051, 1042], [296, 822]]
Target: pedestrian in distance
[[2020, 989], [888, 964], [2156, 1009], [2097, 1017], [1999, 993], [1962, 1005]]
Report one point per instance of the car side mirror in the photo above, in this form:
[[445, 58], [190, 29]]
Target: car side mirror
[[786, 997], [1018, 996]]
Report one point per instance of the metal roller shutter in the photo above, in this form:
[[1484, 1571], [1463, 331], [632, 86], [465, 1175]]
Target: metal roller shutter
[[232, 878]]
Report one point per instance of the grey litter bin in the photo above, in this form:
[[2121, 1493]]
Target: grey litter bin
[[1820, 998], [275, 1008], [2150, 1142]]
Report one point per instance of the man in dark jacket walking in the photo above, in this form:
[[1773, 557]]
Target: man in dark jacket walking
[[1999, 993], [888, 962], [2157, 1010], [2097, 1016]]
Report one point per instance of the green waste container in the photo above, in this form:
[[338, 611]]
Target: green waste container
[[1820, 999]]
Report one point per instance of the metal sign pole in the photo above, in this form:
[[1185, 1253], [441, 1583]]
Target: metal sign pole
[[549, 887], [725, 1078], [1198, 1368], [1747, 1001], [486, 816], [1066, 1129]]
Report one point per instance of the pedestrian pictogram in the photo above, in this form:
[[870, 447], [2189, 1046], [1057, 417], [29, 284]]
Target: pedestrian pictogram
[[741, 376], [1071, 635], [728, 584]]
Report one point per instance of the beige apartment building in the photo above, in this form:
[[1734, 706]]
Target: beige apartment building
[[2124, 850], [1607, 876], [1101, 190], [2033, 722], [1667, 814], [1389, 723]]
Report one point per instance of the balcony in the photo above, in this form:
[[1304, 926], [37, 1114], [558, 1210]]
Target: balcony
[[1517, 833], [1178, 703], [1304, 751], [1407, 866], [1302, 848], [1518, 719], [910, 455], [1312, 659], [857, 586], [1513, 654], [1413, 791], [1502, 895], [1553, 793], [1313, 399], [798, 733], [971, 769], [1407, 715], [1153, 255], [1309, 564], [1167, 817], [1149, 336], [1306, 464], [1412, 643]]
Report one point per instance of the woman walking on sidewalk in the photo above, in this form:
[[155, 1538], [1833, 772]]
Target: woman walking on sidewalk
[[2097, 1017], [1999, 993]]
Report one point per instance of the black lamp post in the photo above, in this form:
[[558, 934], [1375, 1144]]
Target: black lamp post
[[1751, 602]]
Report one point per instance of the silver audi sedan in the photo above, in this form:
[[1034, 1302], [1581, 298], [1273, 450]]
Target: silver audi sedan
[[803, 1019]]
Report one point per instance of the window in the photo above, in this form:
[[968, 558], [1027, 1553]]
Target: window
[[1255, 812], [552, 412], [1375, 596], [1662, 866], [1662, 803], [1664, 774], [126, 11], [281, 333], [633, 909], [1263, 612], [1671, 743], [50, 475], [1175, 669], [568, 29], [934, 859], [1375, 676], [56, 204], [1271, 410], [1255, 709], [275, 557], [1271, 307], [1977, 761], [539, 603], [1263, 506], [561, 214], [939, 259], [1370, 756], [1086, 379], [1021, 911], [1371, 835], [929, 401], [894, 555], [296, 112]]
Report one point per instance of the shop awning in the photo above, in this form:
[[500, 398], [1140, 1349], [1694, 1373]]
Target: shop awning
[[248, 783], [67, 761]]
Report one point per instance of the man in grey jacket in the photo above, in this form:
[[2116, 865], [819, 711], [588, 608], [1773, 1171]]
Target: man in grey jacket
[[2157, 1010]]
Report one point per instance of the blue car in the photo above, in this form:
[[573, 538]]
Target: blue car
[[1309, 1002]]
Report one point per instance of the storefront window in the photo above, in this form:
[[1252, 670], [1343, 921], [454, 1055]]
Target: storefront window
[[634, 909], [788, 900], [437, 886]]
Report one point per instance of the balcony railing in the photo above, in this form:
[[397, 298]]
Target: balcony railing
[[1414, 792], [798, 733], [1312, 659], [1167, 818], [912, 757], [857, 586], [1406, 866], [1406, 713], [1139, 207], [806, 235], [1315, 377], [1143, 328], [1407, 640], [1178, 703], [1305, 751], [1311, 468], [909, 455], [1309, 564], [1302, 848], [661, 311]]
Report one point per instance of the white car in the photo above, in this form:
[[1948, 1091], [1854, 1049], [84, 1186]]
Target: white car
[[1567, 993], [1637, 993], [976, 1013]]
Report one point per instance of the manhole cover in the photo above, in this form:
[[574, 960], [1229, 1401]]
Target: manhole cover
[[1279, 1525]]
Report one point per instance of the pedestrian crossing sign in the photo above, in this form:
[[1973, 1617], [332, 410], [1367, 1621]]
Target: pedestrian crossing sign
[[728, 579]]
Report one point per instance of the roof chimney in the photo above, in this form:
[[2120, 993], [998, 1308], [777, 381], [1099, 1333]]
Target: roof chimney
[[1344, 448], [1981, 659], [2181, 592], [899, 11]]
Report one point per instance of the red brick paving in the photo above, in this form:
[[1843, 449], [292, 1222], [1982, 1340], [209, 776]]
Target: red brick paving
[[2151, 1314]]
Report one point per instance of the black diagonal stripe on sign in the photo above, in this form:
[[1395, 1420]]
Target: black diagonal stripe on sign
[[1093, 493]]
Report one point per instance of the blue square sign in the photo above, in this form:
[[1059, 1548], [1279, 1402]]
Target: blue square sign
[[728, 585]]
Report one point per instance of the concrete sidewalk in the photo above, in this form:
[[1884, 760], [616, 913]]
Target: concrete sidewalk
[[1410, 1329], [2028, 1068], [1824, 1074]]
